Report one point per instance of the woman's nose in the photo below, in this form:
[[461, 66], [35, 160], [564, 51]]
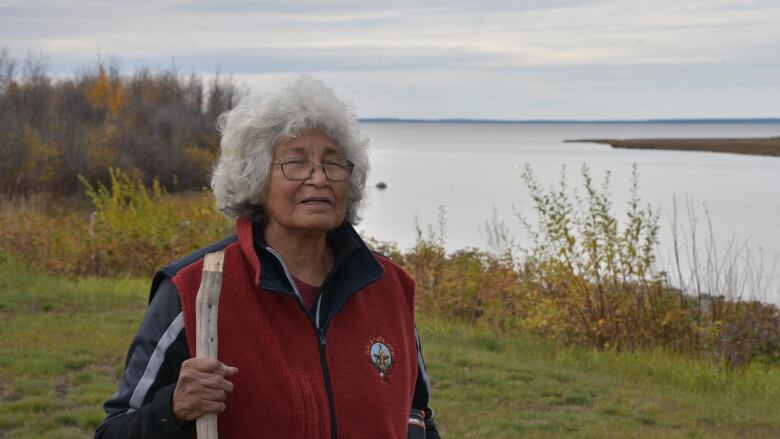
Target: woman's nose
[[318, 176]]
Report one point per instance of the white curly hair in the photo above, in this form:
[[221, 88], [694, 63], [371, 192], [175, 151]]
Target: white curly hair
[[253, 128]]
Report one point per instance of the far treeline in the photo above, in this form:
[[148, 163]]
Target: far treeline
[[157, 124]]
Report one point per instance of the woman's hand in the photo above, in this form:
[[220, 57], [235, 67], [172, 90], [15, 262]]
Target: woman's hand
[[201, 388]]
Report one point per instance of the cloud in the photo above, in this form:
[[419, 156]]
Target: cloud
[[554, 44]]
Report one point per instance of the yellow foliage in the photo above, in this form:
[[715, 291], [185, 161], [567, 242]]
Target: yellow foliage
[[105, 95], [131, 230], [98, 94], [117, 98]]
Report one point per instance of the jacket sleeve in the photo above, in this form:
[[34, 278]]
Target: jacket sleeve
[[141, 408], [422, 394]]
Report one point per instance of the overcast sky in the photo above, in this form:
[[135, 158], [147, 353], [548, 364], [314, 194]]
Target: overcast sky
[[538, 59]]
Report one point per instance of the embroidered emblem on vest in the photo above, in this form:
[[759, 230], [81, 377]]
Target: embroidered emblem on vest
[[381, 354]]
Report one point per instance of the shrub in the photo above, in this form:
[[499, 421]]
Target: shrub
[[592, 279], [43, 232], [599, 271], [130, 229], [469, 284], [136, 231]]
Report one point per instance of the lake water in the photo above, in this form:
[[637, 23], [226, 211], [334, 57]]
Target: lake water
[[471, 169]]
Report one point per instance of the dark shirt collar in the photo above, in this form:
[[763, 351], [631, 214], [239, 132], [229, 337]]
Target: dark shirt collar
[[354, 265]]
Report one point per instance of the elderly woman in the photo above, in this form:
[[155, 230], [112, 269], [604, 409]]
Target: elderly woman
[[316, 332]]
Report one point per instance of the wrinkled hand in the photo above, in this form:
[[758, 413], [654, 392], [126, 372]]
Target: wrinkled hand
[[201, 388]]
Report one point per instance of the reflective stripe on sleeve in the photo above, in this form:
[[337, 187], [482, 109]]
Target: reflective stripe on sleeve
[[155, 362]]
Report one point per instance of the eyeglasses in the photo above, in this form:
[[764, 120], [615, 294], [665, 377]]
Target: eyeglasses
[[298, 170]]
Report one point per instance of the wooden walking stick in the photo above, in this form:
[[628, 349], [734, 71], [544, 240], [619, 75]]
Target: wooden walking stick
[[206, 306]]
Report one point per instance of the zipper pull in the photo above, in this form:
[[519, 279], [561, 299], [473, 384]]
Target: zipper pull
[[323, 339]]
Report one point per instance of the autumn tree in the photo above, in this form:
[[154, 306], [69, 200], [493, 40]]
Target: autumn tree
[[153, 124]]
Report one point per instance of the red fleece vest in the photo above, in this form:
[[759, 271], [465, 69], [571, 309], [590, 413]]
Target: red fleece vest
[[280, 390]]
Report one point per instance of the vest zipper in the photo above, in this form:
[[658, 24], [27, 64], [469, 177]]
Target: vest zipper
[[321, 338], [326, 376]]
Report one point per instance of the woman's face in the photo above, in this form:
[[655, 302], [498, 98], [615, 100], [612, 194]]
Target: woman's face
[[313, 204]]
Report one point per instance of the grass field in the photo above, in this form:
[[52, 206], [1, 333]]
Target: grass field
[[63, 344]]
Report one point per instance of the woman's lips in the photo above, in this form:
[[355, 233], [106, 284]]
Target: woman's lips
[[316, 201]]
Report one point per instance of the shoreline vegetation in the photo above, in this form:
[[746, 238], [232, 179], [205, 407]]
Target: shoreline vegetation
[[764, 146], [589, 278]]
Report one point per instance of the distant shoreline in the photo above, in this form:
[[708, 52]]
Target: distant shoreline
[[765, 146], [765, 120]]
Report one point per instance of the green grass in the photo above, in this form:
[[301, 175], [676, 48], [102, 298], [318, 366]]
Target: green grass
[[505, 387], [63, 345], [62, 348]]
